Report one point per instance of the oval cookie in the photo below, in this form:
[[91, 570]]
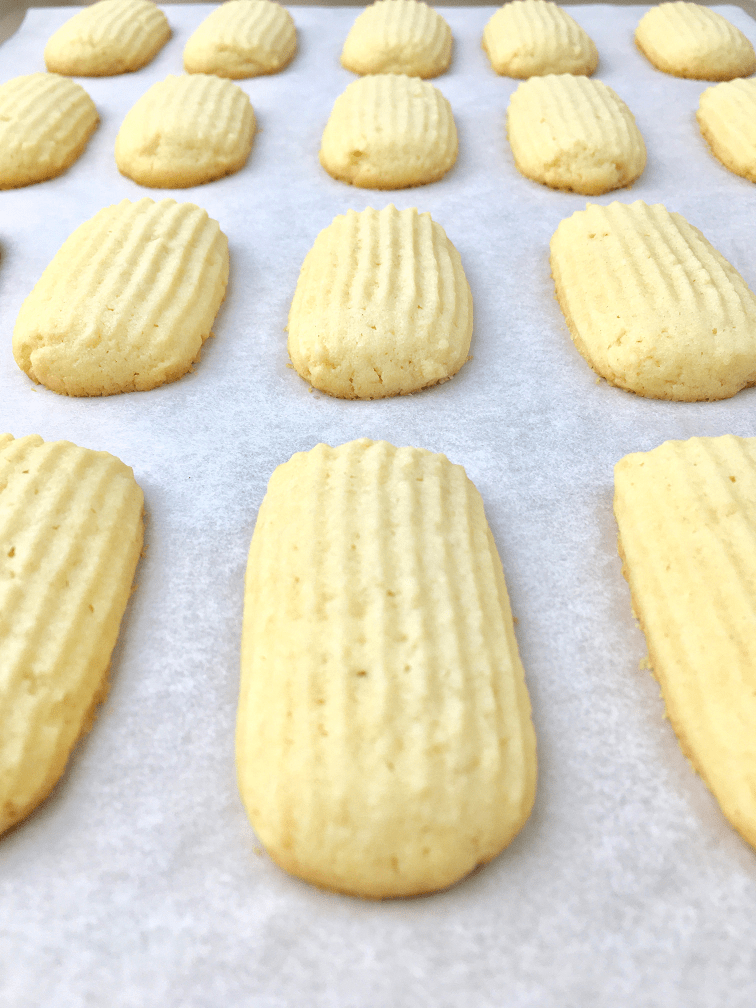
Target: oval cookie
[[110, 37], [575, 134], [45, 123], [400, 37], [686, 513], [127, 301], [727, 117], [389, 131], [690, 40], [384, 741], [382, 306], [242, 38], [526, 38], [651, 305], [186, 131], [70, 538]]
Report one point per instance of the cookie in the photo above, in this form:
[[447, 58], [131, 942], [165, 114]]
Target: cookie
[[389, 131], [382, 306], [127, 301], [528, 38], [70, 538], [575, 134], [686, 513], [651, 305], [110, 37], [400, 37], [45, 123], [689, 40], [727, 117], [242, 38], [384, 740], [186, 131]]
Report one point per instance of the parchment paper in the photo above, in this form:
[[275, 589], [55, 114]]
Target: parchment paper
[[139, 882]]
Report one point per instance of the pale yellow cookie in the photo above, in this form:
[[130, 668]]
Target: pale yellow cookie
[[382, 306], [526, 38], [651, 305], [186, 131], [687, 534], [727, 117], [45, 123], [398, 36], [573, 133], [110, 37], [389, 131], [70, 538], [689, 40], [384, 741], [127, 301], [242, 38]]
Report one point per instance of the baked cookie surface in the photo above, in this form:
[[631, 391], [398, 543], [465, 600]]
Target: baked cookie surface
[[690, 40], [384, 739], [186, 131], [127, 302], [575, 134], [727, 118], [651, 305], [70, 538], [45, 123], [242, 38], [389, 131], [382, 306], [527, 38], [686, 513], [400, 37], [110, 37]]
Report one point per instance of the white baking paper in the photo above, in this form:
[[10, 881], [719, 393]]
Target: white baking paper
[[139, 882]]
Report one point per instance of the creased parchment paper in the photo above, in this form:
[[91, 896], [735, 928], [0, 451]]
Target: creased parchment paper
[[139, 882]]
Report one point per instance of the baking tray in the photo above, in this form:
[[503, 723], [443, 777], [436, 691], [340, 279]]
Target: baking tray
[[139, 881]]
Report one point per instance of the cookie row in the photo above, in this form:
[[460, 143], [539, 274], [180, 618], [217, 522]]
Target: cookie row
[[382, 306], [387, 131], [364, 658], [245, 38], [384, 741], [241, 38], [534, 37]]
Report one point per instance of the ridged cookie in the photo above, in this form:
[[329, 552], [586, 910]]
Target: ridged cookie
[[687, 534], [690, 40], [400, 37], [389, 131], [127, 301], [526, 38], [242, 38], [186, 131], [70, 538], [727, 117], [651, 305], [382, 306], [384, 740], [45, 123], [110, 37], [575, 134]]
